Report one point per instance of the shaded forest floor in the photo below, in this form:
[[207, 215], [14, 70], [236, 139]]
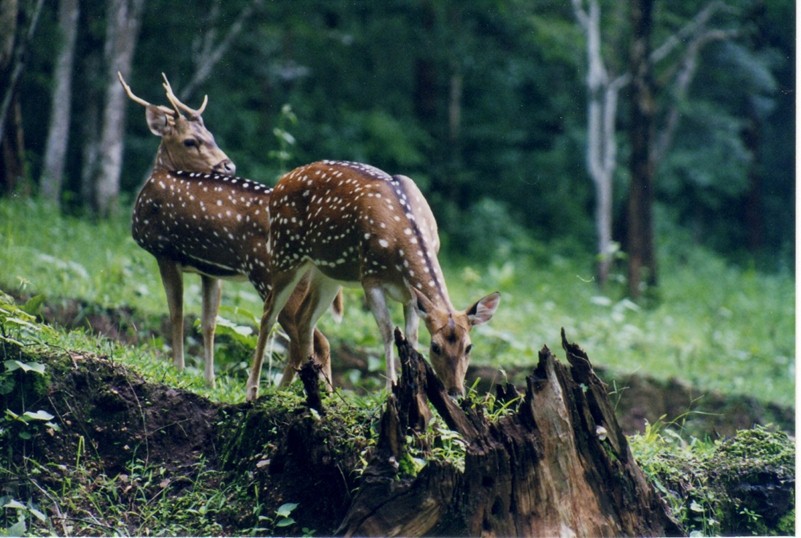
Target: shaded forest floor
[[639, 399], [122, 455]]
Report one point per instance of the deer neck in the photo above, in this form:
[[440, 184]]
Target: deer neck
[[418, 261], [163, 161]]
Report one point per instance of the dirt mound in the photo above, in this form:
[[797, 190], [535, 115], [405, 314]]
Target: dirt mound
[[106, 418], [115, 415], [120, 454], [640, 399], [124, 416]]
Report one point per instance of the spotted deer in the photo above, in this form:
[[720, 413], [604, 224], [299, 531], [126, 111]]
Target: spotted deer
[[194, 216], [340, 223]]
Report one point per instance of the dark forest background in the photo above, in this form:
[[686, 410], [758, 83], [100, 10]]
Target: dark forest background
[[487, 104]]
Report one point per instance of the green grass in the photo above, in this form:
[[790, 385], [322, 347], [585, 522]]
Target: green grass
[[715, 325], [711, 485]]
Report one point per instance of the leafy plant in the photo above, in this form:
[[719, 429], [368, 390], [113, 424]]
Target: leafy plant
[[489, 403], [438, 443], [285, 139], [714, 487], [26, 514]]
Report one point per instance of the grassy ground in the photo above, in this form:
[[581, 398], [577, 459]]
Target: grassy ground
[[715, 325], [91, 449]]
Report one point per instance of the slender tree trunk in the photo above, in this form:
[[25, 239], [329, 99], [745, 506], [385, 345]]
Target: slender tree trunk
[[124, 17], [455, 114], [208, 53], [15, 36], [754, 210], [9, 158], [425, 71], [602, 91], [90, 135], [12, 150], [58, 134], [641, 256], [9, 12]]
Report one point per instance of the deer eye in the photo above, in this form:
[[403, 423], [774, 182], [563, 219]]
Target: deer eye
[[190, 143], [436, 349], [469, 349]]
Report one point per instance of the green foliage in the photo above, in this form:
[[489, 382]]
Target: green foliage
[[285, 140], [437, 443], [741, 485], [476, 99], [715, 325], [488, 403], [700, 479], [28, 515], [19, 377], [141, 500], [18, 321]]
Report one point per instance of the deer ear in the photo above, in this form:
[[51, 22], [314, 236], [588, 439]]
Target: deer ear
[[422, 304], [159, 121], [483, 309]]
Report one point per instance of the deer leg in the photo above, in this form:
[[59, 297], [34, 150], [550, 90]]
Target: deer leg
[[288, 318], [376, 300], [412, 319], [173, 282], [322, 350], [283, 285], [212, 290], [321, 293]]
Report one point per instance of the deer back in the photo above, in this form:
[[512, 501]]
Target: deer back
[[355, 222]]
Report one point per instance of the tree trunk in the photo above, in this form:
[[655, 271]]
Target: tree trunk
[[15, 37], [602, 97], [9, 12], [123, 18], [12, 150], [425, 70], [641, 256], [754, 212], [557, 465], [208, 53], [58, 133], [603, 90]]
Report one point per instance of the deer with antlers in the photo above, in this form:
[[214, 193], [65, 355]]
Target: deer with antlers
[[336, 223], [193, 215]]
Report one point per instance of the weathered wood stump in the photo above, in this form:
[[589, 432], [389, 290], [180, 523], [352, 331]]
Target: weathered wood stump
[[558, 465]]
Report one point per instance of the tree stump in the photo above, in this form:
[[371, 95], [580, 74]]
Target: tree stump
[[557, 465]]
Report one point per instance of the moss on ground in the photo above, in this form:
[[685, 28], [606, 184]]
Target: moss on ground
[[742, 485], [90, 447]]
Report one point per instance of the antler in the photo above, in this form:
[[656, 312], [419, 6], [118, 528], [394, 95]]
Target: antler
[[139, 100], [178, 105]]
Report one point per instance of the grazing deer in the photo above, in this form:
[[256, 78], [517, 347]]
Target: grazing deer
[[339, 223], [193, 216]]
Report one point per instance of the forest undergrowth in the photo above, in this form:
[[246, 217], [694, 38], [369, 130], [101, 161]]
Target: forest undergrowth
[[100, 438], [710, 323], [120, 443]]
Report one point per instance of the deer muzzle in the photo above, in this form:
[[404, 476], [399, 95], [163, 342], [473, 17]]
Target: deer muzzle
[[456, 393], [225, 167]]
